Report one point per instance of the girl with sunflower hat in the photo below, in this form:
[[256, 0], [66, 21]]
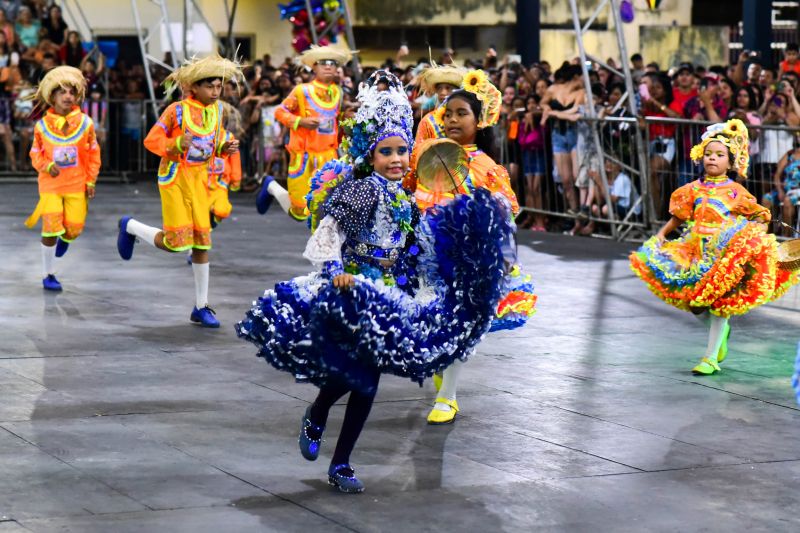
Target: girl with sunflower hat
[[724, 263], [468, 115]]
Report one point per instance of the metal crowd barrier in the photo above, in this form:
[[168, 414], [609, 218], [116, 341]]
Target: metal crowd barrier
[[666, 144]]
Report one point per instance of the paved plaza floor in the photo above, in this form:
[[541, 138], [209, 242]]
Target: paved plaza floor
[[118, 415]]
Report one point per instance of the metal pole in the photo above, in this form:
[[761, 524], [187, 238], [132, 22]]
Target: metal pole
[[591, 111], [311, 24], [231, 16], [351, 41], [170, 40], [185, 32], [147, 75], [644, 163]]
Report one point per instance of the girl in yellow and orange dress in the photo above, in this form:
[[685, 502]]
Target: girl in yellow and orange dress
[[467, 116], [724, 263]]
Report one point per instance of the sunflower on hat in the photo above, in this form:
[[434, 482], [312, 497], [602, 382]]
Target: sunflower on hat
[[474, 80]]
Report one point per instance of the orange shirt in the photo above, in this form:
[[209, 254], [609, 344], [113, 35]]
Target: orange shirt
[[70, 143], [786, 67], [202, 124], [713, 202], [313, 99], [429, 128]]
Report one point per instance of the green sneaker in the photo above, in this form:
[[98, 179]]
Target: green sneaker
[[706, 367], [723, 349]]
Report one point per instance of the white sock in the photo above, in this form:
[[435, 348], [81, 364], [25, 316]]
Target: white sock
[[715, 337], [48, 260], [143, 231], [449, 385], [200, 284], [280, 194]]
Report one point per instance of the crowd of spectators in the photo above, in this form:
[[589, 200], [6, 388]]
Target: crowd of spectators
[[34, 38], [542, 136]]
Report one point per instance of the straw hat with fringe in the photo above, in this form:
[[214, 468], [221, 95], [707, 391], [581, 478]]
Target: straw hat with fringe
[[318, 53], [60, 77], [197, 69], [436, 74]]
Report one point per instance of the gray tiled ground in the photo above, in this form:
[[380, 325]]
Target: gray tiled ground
[[118, 415]]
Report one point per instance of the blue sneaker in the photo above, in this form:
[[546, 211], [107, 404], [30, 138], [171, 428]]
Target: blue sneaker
[[344, 478], [264, 198], [50, 283], [61, 247], [309, 448], [205, 317], [125, 241]]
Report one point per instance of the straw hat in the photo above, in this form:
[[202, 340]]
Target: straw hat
[[318, 53], [196, 69], [433, 76], [60, 77]]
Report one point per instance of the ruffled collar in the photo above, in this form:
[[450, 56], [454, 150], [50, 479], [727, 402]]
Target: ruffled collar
[[715, 181]]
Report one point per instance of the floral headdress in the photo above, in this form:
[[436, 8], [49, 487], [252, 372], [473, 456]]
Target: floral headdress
[[477, 83], [733, 134], [383, 113]]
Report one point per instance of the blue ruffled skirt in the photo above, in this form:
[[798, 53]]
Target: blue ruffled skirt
[[307, 326]]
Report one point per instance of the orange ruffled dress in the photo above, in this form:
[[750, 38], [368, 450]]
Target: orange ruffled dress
[[724, 261]]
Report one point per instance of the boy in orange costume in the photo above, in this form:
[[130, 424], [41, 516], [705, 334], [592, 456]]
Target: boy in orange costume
[[66, 155], [441, 81], [311, 112], [188, 136]]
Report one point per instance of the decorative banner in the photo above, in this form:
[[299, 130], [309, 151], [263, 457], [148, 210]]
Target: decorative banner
[[324, 14], [653, 5]]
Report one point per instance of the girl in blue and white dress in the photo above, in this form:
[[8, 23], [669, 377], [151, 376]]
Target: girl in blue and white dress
[[390, 294]]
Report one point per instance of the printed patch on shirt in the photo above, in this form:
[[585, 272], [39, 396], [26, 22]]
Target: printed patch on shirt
[[326, 125], [201, 148], [216, 166], [65, 156]]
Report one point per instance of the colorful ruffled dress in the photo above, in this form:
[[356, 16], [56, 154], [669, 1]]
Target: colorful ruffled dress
[[724, 261], [425, 293], [518, 301]]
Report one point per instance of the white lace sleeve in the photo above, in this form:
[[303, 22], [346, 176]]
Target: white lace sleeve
[[326, 243]]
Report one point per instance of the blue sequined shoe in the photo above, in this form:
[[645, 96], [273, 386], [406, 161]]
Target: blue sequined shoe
[[264, 198], [125, 241], [205, 317], [61, 247], [309, 448], [50, 283], [343, 477]]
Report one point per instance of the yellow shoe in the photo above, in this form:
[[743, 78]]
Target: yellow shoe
[[723, 349], [706, 367], [437, 417], [437, 381], [299, 217]]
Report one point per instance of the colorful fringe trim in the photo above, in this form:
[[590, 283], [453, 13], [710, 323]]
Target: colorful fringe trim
[[729, 273], [517, 303]]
